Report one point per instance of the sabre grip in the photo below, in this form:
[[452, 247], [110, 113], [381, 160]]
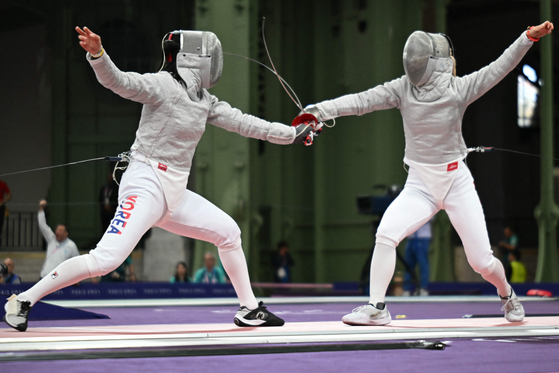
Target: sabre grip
[[305, 125], [303, 134]]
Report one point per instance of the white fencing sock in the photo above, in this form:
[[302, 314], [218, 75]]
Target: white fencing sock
[[382, 270], [235, 264], [498, 278], [67, 273]]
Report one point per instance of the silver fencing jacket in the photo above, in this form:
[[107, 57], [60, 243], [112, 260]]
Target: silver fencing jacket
[[432, 114], [174, 119]]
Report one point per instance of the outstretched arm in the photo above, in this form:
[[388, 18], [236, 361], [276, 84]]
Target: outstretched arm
[[381, 97], [222, 115], [473, 86]]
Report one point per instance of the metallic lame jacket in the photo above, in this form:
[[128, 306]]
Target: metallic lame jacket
[[432, 114], [174, 118]]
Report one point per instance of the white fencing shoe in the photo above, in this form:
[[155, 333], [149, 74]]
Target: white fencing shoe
[[368, 315], [514, 312]]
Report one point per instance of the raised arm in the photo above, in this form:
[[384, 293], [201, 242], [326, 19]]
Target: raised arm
[[48, 234], [222, 115], [381, 97], [142, 88], [473, 86]]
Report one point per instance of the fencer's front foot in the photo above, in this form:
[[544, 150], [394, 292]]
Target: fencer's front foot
[[368, 315], [17, 313], [514, 312], [259, 316]]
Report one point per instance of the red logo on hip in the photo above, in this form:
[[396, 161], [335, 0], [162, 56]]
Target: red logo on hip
[[162, 167], [452, 166]]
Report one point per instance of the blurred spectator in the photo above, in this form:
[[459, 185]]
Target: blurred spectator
[[124, 272], [509, 244], [396, 285], [282, 262], [5, 196], [108, 200], [59, 246], [515, 271], [210, 274], [417, 253], [181, 273], [9, 277]]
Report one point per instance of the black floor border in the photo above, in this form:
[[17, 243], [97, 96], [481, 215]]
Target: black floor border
[[217, 351]]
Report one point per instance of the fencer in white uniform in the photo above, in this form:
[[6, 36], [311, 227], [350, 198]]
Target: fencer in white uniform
[[176, 107], [432, 101]]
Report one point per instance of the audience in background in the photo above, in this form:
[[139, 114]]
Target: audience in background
[[59, 247], [509, 244], [515, 270], [181, 274], [9, 277], [210, 274], [417, 253], [282, 262], [124, 272], [5, 196]]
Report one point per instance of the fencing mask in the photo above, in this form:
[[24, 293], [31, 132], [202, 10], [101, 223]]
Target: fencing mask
[[421, 51], [195, 50]]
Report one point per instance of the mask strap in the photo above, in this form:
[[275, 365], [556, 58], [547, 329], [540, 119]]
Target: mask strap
[[170, 55], [449, 43]]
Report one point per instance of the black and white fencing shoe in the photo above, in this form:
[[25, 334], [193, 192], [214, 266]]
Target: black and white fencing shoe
[[257, 317], [17, 313]]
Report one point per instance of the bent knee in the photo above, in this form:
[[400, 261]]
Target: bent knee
[[230, 241], [483, 267], [391, 233], [106, 261], [228, 237], [385, 237]]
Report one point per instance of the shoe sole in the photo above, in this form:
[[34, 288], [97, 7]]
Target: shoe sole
[[514, 320], [381, 322], [375, 323], [239, 321], [245, 322]]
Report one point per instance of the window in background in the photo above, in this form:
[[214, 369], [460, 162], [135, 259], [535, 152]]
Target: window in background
[[528, 93]]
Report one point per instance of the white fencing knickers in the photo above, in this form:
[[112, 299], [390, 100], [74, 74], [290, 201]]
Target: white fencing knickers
[[413, 208], [141, 206]]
